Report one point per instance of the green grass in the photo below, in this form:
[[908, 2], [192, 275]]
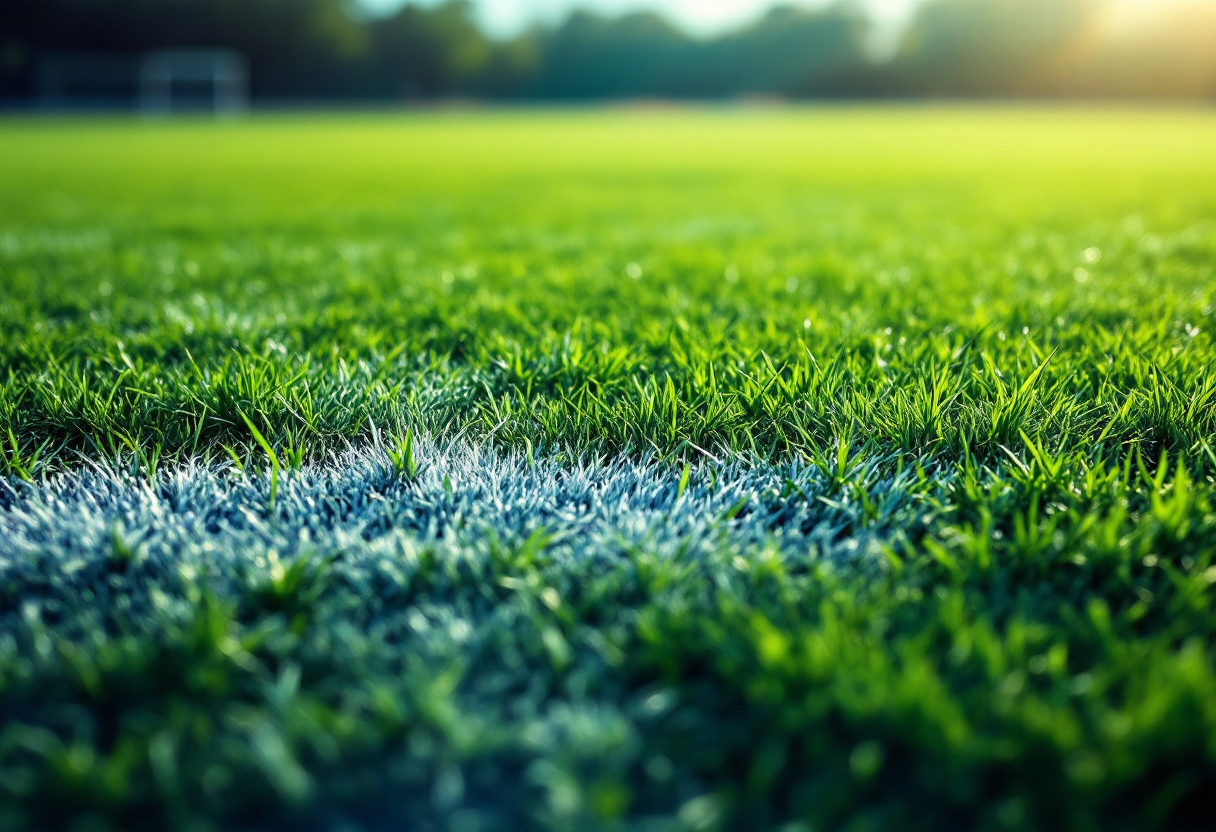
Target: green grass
[[900, 275], [1009, 310]]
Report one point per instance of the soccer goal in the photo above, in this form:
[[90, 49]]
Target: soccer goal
[[193, 80]]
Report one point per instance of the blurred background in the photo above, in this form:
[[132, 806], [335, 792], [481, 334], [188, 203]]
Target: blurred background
[[227, 54]]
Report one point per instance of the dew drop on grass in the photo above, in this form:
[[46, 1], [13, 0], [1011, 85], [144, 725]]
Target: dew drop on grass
[[700, 812], [1092, 255], [866, 760], [634, 271], [659, 768], [1080, 275], [658, 703]]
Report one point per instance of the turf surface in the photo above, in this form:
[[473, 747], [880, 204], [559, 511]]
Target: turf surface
[[835, 469]]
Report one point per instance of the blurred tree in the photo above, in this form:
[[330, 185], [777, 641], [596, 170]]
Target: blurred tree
[[294, 46], [986, 47], [319, 49], [428, 52], [590, 56], [789, 51]]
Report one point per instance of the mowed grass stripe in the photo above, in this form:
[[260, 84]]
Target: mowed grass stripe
[[376, 503], [547, 643]]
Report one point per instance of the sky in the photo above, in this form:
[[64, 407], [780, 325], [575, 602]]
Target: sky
[[703, 17]]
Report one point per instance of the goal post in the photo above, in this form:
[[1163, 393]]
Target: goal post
[[194, 79]]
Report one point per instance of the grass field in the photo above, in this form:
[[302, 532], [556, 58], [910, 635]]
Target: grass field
[[830, 469]]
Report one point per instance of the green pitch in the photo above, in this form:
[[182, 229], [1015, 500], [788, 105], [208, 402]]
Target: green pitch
[[953, 367]]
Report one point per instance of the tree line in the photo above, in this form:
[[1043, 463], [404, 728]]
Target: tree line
[[320, 50]]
